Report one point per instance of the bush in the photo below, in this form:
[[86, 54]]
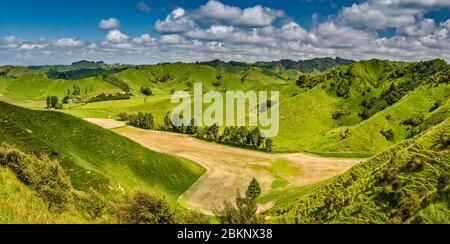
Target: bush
[[146, 91], [143, 208], [388, 134], [124, 116], [91, 203], [41, 174]]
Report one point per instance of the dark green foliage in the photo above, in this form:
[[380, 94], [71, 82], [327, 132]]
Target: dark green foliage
[[117, 82], [143, 208], [244, 209], [48, 101], [41, 174], [91, 203], [76, 91], [146, 91], [53, 102], [109, 97], [141, 120], [253, 190], [388, 134], [305, 66], [124, 116], [66, 99], [436, 105]]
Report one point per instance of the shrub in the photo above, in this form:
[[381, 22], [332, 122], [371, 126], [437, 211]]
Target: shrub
[[91, 203], [388, 134], [41, 174], [143, 208], [124, 116], [146, 91]]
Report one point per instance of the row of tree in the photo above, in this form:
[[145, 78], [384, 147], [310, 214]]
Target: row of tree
[[139, 120], [234, 136]]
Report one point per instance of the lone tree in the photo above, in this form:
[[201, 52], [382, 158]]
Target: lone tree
[[253, 190], [244, 210]]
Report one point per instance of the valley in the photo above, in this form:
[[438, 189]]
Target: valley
[[230, 169]]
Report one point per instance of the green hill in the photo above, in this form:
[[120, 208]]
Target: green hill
[[351, 109], [407, 183], [95, 157]]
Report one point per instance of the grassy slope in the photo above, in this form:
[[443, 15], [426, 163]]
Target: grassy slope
[[95, 157], [19, 204], [388, 188]]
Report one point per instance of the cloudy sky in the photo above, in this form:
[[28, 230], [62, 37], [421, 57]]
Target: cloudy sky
[[153, 31]]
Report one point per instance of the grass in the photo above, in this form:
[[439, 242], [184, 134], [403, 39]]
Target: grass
[[407, 183], [95, 157]]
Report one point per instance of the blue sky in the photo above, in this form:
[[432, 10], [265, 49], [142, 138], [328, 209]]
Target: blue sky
[[151, 31]]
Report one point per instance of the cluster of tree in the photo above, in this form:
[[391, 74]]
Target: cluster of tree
[[53, 102], [139, 120], [163, 79], [234, 136], [244, 209], [146, 91], [108, 97], [117, 82], [76, 91], [304, 81]]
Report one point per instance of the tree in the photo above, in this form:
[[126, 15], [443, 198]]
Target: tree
[[167, 122], [244, 209], [253, 190], [268, 144], [53, 101], [66, 99], [48, 100]]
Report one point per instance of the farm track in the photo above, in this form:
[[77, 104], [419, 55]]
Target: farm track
[[230, 169]]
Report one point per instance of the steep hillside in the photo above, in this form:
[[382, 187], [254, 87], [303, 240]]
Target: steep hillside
[[94, 157], [407, 183], [363, 108]]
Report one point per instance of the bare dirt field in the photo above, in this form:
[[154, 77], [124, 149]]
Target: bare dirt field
[[230, 169]]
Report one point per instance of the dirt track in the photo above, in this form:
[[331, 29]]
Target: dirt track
[[230, 169]]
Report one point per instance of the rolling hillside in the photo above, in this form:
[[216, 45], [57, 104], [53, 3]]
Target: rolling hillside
[[352, 110], [407, 183], [95, 157]]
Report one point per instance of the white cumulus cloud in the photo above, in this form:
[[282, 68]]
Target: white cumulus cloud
[[109, 24], [176, 21], [116, 36], [68, 42]]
